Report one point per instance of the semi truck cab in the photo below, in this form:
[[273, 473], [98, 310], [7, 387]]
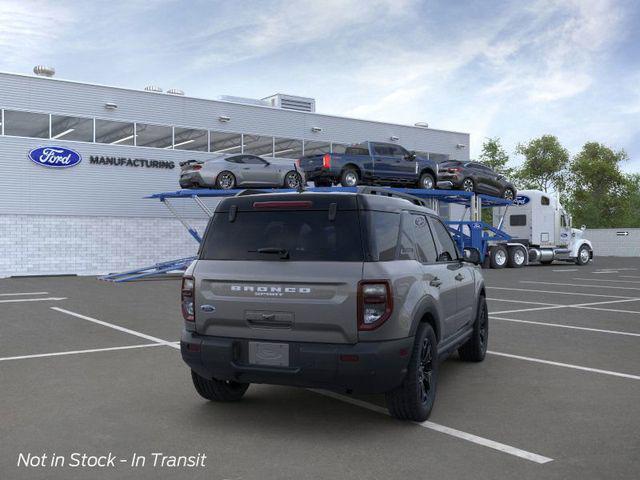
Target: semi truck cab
[[540, 226]]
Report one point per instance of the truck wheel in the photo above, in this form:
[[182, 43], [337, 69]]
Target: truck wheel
[[413, 399], [475, 349], [349, 177], [499, 256], [225, 180], [218, 390], [517, 257], [584, 255], [426, 181]]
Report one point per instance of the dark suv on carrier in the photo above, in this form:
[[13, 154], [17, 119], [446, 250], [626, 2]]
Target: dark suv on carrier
[[353, 292]]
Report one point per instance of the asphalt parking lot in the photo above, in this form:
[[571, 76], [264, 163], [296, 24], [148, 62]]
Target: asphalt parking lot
[[89, 366]]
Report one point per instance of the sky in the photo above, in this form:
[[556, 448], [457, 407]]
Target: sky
[[509, 69]]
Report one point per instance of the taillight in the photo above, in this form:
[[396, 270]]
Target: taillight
[[196, 167], [326, 161], [455, 170], [187, 298], [375, 303]]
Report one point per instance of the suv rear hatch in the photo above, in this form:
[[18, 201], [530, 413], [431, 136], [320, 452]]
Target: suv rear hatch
[[281, 267]]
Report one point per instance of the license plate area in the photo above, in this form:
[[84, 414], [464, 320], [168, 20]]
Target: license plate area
[[269, 354]]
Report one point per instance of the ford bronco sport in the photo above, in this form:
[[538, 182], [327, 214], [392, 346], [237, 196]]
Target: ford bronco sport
[[356, 292]]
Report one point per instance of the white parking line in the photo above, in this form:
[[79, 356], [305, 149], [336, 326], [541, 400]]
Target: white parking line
[[47, 299], [469, 437], [629, 276], [521, 301], [605, 280], [559, 293], [27, 293], [581, 285], [119, 328], [572, 327], [76, 352], [566, 365], [577, 305], [533, 309], [567, 270]]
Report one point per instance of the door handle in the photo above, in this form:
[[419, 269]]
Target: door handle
[[436, 282], [459, 277], [246, 168]]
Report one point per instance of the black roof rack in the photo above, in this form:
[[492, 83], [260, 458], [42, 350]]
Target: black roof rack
[[385, 192]]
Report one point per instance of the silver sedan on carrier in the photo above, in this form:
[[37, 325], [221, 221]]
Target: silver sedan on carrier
[[240, 170]]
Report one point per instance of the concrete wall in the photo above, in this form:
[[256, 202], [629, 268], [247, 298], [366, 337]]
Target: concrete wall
[[612, 241], [53, 245]]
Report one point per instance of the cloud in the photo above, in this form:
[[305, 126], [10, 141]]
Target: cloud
[[30, 29]]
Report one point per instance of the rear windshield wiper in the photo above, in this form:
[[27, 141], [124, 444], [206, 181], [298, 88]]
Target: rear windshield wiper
[[283, 252]]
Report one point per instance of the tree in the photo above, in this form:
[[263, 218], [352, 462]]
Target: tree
[[600, 195], [545, 164], [494, 156]]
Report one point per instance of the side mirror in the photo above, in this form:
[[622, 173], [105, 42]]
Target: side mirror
[[411, 156], [471, 255], [583, 228]]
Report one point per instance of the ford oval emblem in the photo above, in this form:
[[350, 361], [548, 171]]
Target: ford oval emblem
[[55, 157], [521, 200]]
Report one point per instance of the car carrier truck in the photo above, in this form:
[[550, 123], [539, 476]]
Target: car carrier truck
[[540, 231]]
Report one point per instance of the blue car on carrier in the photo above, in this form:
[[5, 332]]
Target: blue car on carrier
[[371, 163]]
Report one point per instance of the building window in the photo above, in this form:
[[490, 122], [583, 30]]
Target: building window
[[338, 148], [287, 148], [316, 148], [71, 128], [157, 136], [257, 145], [115, 133], [226, 142], [26, 124], [190, 139]]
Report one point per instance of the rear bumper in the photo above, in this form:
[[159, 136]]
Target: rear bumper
[[320, 173], [189, 180], [380, 366]]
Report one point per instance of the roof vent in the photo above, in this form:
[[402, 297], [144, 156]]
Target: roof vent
[[153, 88], [422, 124], [175, 91], [43, 71], [291, 102]]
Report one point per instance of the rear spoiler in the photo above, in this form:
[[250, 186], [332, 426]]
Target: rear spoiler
[[189, 162]]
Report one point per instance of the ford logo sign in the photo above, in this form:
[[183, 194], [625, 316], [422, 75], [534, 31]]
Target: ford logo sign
[[521, 200], [55, 157]]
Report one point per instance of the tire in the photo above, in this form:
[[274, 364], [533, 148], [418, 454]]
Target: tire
[[414, 398], [468, 185], [508, 194], [499, 256], [517, 257], [584, 255], [349, 177], [225, 180], [475, 349], [292, 180], [427, 181], [218, 390]]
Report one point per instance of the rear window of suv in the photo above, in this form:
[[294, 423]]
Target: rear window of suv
[[306, 235]]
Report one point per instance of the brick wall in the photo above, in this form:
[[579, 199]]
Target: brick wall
[[608, 241], [46, 245]]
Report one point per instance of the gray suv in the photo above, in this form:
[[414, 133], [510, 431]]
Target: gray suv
[[359, 292]]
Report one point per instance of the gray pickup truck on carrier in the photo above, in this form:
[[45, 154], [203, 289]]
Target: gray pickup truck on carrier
[[360, 292], [371, 163]]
